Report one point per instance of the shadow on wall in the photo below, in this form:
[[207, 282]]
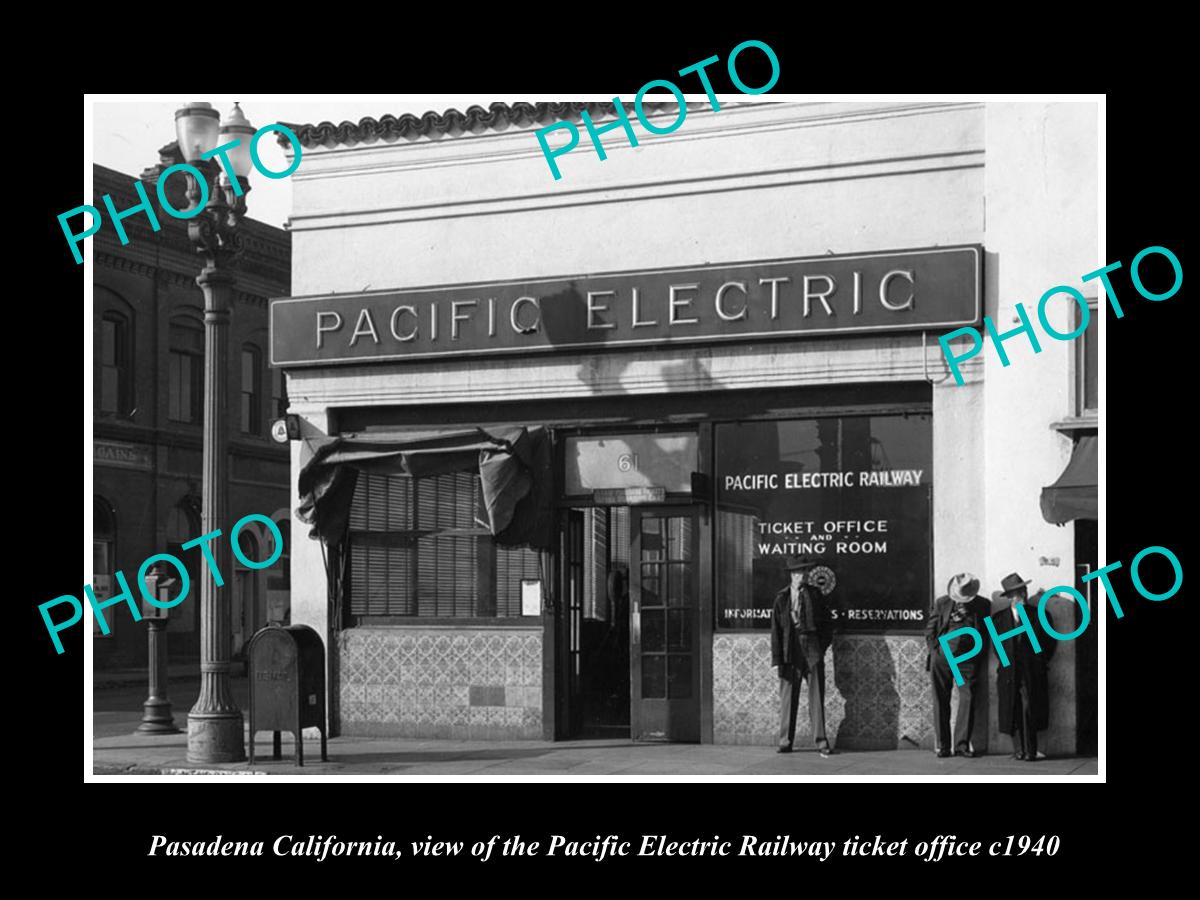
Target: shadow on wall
[[564, 319], [865, 675], [980, 732]]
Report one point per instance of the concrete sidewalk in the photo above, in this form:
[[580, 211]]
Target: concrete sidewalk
[[177, 673], [136, 754]]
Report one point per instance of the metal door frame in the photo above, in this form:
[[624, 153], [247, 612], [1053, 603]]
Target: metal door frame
[[666, 510], [568, 621]]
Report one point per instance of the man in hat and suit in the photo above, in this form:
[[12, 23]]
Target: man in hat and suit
[[960, 607], [801, 632], [1023, 686]]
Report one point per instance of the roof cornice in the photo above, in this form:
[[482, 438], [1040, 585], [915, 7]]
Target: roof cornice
[[452, 123]]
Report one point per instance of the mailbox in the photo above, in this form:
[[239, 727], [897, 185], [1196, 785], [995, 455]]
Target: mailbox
[[287, 685]]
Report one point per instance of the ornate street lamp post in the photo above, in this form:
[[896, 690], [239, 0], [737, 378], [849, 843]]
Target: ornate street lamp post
[[215, 732], [156, 711]]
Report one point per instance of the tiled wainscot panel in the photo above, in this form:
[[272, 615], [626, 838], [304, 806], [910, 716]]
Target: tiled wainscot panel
[[877, 693], [441, 683]]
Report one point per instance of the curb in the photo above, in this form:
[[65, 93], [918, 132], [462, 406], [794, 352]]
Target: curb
[[117, 769], [136, 769]]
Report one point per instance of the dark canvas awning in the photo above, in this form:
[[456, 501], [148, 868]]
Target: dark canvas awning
[[1074, 495], [514, 466]]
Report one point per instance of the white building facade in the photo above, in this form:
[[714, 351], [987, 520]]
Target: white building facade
[[645, 612]]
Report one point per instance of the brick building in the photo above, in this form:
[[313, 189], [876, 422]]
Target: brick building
[[148, 407]]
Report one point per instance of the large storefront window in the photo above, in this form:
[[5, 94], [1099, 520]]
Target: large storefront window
[[419, 548], [852, 492]]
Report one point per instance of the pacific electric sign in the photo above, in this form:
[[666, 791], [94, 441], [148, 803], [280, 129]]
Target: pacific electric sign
[[905, 290]]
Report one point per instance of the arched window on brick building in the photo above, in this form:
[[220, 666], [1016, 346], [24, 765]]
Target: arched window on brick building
[[104, 544]]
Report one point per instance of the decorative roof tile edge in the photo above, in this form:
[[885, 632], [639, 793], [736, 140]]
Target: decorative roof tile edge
[[452, 123]]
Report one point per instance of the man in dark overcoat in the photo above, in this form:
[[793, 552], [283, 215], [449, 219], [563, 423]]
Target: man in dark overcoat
[[960, 607], [801, 632], [1023, 686]]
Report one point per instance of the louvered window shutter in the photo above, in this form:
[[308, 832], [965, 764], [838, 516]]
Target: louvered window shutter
[[415, 550]]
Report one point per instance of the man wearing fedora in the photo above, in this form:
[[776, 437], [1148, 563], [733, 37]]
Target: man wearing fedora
[[801, 632], [960, 607], [1023, 686]]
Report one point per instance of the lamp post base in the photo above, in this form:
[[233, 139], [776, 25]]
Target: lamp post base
[[216, 737], [157, 718]]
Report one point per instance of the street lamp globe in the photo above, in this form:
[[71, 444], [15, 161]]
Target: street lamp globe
[[236, 127], [196, 126]]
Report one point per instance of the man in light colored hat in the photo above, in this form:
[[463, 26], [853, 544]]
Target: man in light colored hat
[[801, 632], [1023, 686], [960, 607]]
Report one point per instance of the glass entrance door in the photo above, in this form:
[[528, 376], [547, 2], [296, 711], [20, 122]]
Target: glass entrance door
[[664, 625]]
